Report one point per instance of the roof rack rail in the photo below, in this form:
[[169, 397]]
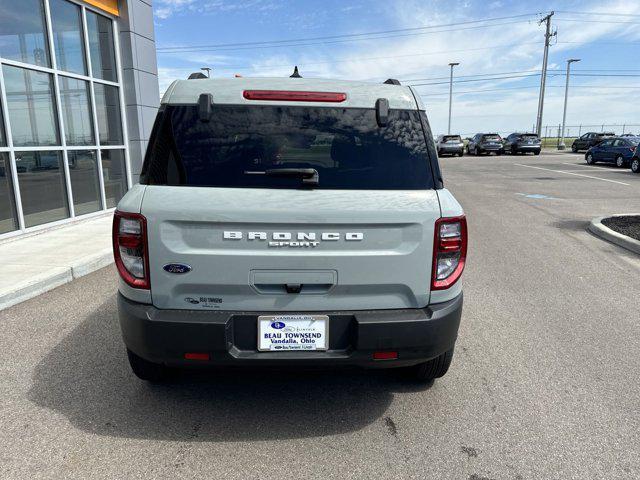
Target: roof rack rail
[[392, 81], [196, 75]]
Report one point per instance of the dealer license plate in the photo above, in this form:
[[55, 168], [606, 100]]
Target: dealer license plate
[[279, 333]]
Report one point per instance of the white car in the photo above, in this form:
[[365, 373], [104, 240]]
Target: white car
[[290, 222]]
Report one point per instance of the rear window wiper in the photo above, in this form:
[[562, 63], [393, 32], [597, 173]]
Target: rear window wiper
[[309, 175]]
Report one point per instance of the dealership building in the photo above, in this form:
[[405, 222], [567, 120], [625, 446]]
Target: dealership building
[[78, 96]]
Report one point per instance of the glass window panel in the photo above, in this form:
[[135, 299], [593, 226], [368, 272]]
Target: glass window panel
[[31, 107], [8, 216], [85, 184], [42, 187], [115, 176], [108, 110], [103, 54], [76, 111], [22, 32], [66, 21], [3, 137]]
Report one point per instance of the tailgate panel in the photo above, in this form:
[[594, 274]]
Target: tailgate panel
[[376, 253]]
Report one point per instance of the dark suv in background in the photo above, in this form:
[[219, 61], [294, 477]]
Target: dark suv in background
[[522, 143], [450, 145], [589, 139], [485, 143]]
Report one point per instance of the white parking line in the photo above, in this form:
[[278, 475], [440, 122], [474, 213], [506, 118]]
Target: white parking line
[[575, 174], [601, 169]]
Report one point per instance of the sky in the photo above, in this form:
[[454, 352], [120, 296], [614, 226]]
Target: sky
[[499, 45]]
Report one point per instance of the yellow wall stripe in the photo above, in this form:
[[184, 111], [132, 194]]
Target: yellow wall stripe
[[109, 6]]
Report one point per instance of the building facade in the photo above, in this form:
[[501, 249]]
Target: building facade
[[78, 95]]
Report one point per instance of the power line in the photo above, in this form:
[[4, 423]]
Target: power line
[[470, 75], [595, 21], [282, 43], [595, 87], [478, 79], [574, 12], [350, 60]]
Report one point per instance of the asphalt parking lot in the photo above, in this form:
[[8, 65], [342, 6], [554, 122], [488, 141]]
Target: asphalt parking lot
[[544, 384]]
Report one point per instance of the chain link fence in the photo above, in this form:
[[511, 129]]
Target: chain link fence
[[551, 134]]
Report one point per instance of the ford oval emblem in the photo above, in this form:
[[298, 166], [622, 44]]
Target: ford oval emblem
[[277, 325], [176, 268]]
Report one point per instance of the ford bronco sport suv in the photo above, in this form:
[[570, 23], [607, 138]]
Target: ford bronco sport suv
[[290, 222]]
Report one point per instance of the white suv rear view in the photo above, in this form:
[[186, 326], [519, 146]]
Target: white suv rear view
[[290, 222]]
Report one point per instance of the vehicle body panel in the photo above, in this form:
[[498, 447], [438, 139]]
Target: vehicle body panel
[[230, 90], [388, 268]]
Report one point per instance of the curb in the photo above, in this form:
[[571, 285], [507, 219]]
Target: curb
[[597, 228], [55, 277]]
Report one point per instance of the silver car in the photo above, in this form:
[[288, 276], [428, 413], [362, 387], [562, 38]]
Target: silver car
[[450, 145]]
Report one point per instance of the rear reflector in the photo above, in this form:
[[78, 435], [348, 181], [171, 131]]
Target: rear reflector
[[196, 356], [385, 355], [294, 96]]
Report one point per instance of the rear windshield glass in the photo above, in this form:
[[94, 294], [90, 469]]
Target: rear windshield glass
[[529, 136], [452, 139], [240, 143], [491, 138]]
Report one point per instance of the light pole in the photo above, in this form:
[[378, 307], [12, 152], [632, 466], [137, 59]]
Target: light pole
[[561, 145], [452, 64]]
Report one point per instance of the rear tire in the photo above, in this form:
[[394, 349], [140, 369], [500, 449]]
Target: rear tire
[[537, 152], [589, 159], [146, 370], [460, 154], [635, 165], [435, 368], [619, 161], [476, 152], [574, 149]]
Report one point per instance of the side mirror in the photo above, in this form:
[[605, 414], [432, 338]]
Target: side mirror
[[205, 100], [382, 112]]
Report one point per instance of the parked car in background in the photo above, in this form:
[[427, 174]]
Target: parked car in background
[[629, 135], [485, 143], [635, 160], [618, 150], [450, 145], [522, 143], [589, 139]]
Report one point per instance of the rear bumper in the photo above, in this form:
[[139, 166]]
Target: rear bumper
[[230, 338], [527, 148], [451, 150], [490, 149]]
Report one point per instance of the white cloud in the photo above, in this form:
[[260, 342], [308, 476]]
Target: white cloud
[[514, 45], [164, 9]]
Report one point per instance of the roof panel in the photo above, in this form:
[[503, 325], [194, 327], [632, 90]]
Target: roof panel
[[229, 91]]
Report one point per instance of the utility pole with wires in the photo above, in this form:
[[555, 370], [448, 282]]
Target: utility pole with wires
[[543, 79]]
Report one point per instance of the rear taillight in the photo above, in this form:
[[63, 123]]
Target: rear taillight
[[130, 249], [294, 96], [449, 251]]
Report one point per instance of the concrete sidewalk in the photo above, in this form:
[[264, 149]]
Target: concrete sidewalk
[[40, 262]]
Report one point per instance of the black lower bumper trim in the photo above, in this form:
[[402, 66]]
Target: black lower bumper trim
[[230, 338]]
